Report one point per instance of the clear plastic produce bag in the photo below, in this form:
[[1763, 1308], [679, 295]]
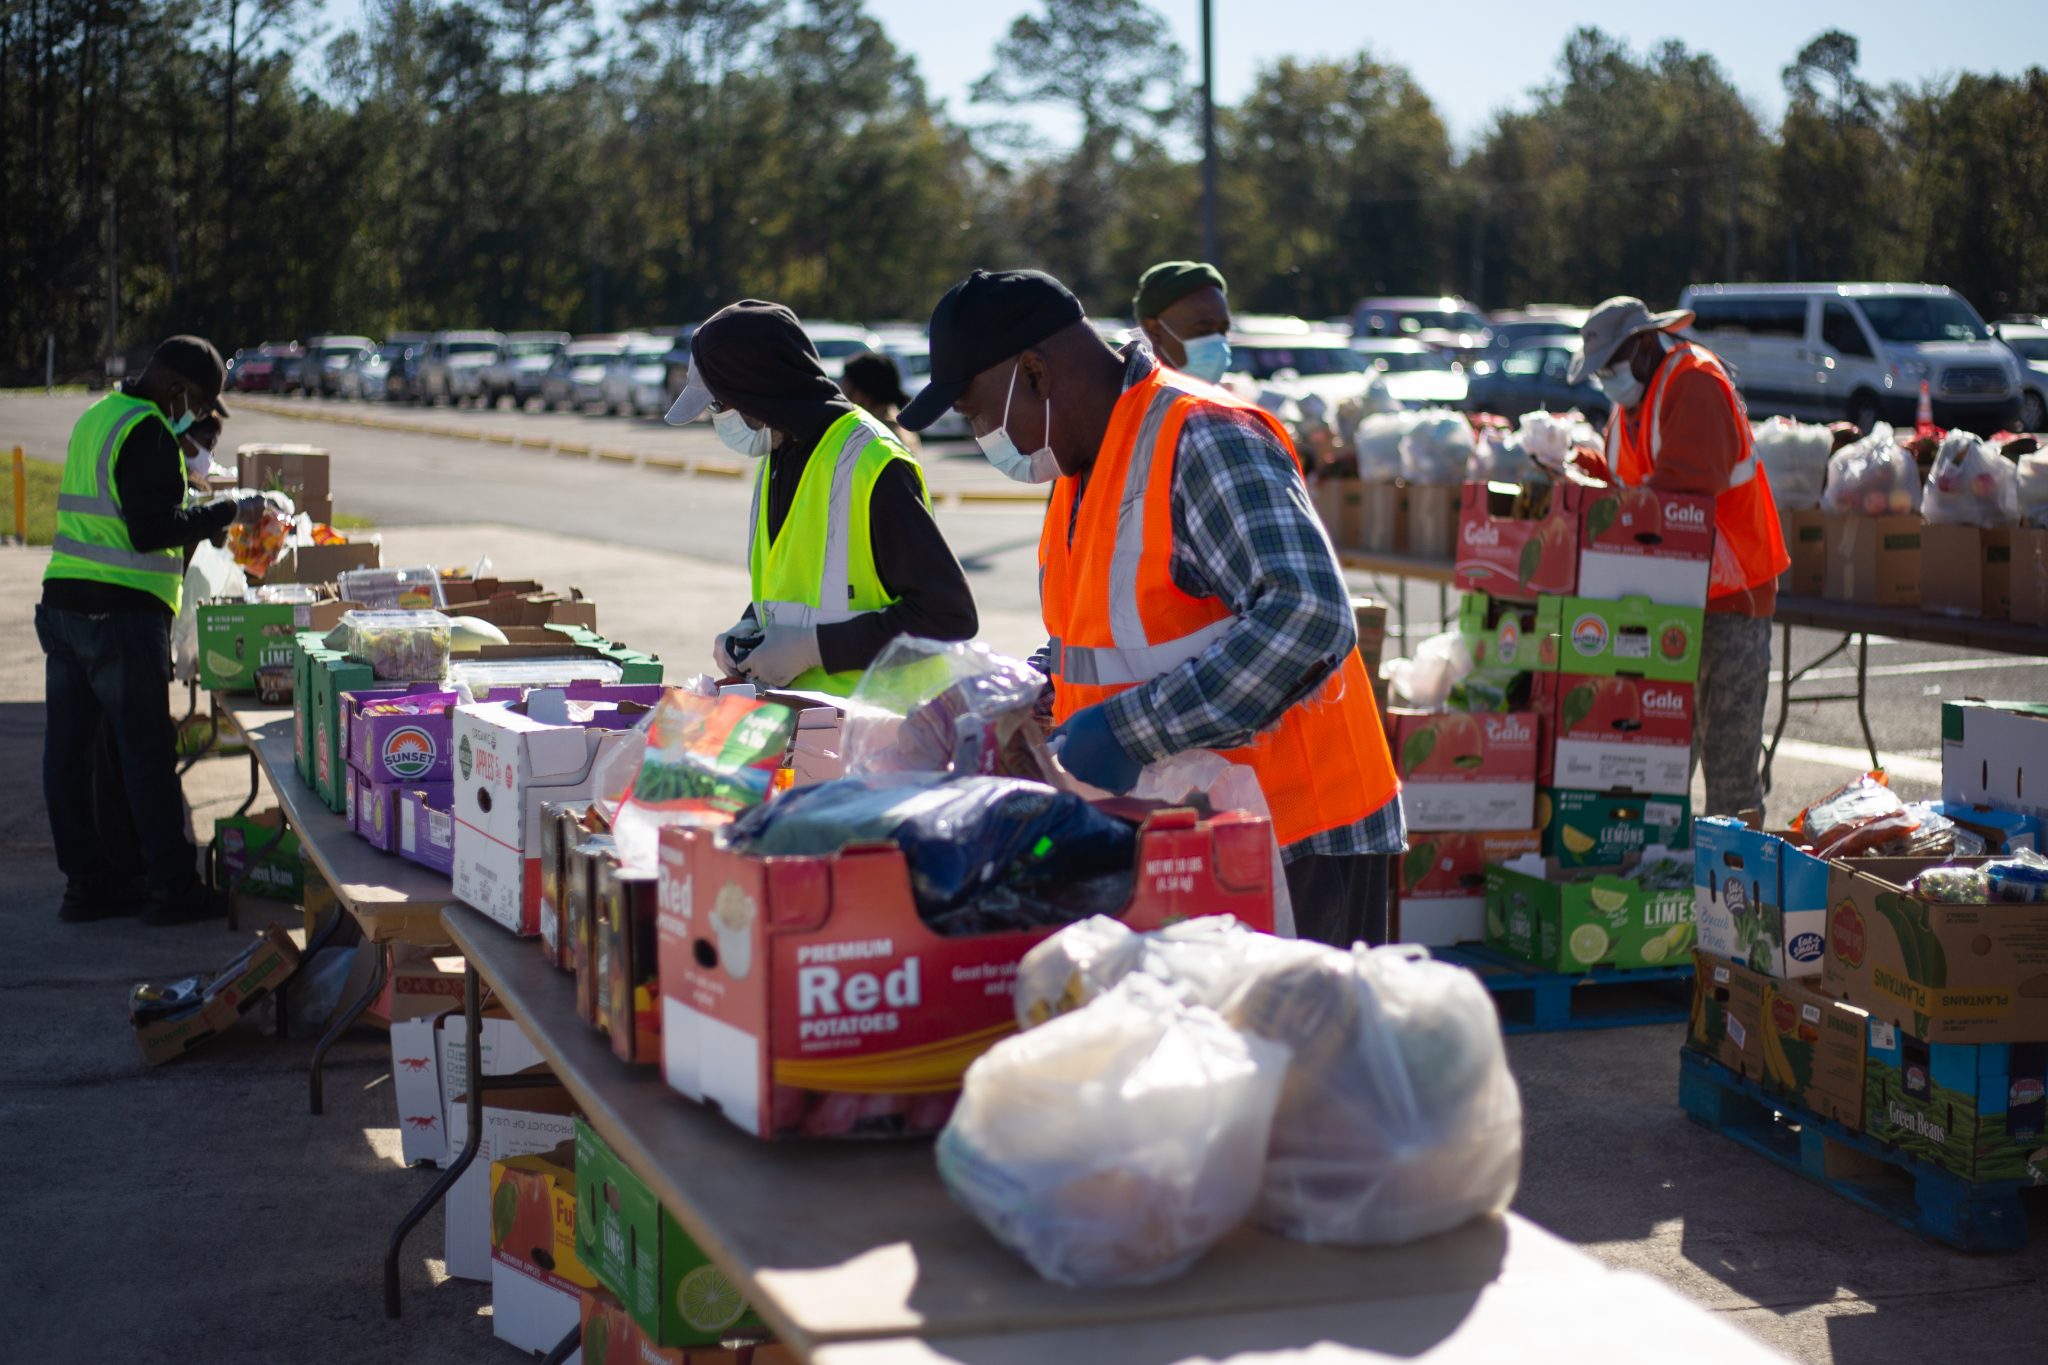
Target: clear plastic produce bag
[[1971, 485], [1425, 682], [928, 707], [1114, 1145], [1438, 448], [1497, 458], [1378, 442], [1795, 457], [1546, 437], [1873, 477]]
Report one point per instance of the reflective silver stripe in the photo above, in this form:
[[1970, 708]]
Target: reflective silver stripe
[[102, 503], [1127, 667], [89, 506], [834, 590], [1126, 620], [158, 562], [800, 614]]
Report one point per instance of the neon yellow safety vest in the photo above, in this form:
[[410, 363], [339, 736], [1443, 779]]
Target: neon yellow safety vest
[[92, 537], [820, 568]]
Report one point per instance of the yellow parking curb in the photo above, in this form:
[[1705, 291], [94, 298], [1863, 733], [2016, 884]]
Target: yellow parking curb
[[967, 495], [615, 456], [575, 449], [499, 438], [536, 443], [667, 466], [718, 471]]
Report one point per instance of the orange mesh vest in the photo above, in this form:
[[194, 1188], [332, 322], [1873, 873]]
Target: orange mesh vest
[[1749, 547], [1116, 618]]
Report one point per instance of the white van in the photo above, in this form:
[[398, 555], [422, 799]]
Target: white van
[[1860, 351]]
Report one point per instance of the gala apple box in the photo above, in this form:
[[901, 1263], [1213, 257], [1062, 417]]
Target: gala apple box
[[1638, 541], [1619, 733], [1467, 772]]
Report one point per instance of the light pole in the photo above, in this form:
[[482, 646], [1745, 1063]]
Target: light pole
[[1210, 246]]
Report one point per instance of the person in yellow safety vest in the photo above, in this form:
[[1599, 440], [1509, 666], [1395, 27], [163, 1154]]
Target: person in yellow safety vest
[[1190, 597], [842, 547], [116, 573], [1183, 309]]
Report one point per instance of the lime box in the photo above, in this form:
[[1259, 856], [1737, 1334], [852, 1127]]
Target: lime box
[[1574, 919]]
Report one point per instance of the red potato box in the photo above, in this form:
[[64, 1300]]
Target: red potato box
[[1466, 772], [1620, 733], [1638, 542], [1506, 554], [509, 762], [1443, 883], [803, 996]]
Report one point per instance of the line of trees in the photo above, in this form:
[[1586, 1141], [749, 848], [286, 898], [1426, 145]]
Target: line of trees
[[231, 167]]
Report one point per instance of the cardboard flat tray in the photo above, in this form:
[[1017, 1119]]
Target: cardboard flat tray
[[841, 1241]]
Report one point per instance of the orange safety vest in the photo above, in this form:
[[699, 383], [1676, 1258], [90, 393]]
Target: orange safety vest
[[1116, 618], [1749, 547]]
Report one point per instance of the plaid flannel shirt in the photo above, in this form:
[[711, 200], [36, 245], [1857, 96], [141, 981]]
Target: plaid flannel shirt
[[1243, 532]]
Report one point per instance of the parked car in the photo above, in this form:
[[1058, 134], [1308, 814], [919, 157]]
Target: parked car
[[837, 342], [517, 371], [1416, 375], [2029, 341], [451, 369], [234, 365], [1860, 351], [1273, 360], [1532, 376], [362, 375], [914, 366], [318, 372], [576, 377], [258, 370], [1448, 323], [636, 380], [1510, 331]]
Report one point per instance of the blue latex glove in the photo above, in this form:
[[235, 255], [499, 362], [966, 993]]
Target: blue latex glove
[[1090, 750]]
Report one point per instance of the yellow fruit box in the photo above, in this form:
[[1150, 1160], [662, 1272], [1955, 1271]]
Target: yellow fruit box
[[1813, 1049], [533, 1216]]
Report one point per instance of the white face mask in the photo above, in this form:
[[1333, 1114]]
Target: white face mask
[[1208, 357], [1037, 467], [741, 439], [1621, 385], [200, 463]]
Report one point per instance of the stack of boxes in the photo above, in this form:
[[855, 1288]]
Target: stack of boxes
[[1583, 611]]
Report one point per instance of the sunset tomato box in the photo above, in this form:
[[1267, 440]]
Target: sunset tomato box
[[1442, 894], [1629, 635], [1466, 772], [402, 737], [804, 997], [1638, 541], [1618, 732]]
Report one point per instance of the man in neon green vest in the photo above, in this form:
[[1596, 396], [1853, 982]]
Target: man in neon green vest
[[842, 547], [116, 572]]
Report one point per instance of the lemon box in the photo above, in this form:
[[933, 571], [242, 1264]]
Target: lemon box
[[1632, 635], [1574, 919], [238, 638], [1978, 1109], [1601, 829], [638, 1251], [1761, 900]]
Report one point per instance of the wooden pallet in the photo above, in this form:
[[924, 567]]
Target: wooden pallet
[[1918, 1196], [1533, 1000]]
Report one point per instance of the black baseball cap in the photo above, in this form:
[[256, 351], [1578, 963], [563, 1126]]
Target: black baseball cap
[[984, 320], [195, 360]]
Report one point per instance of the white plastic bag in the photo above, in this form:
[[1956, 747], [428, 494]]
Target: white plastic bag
[[1874, 477], [1400, 1119], [1116, 1144], [1971, 485], [2032, 488], [1225, 786], [211, 573], [1795, 457], [1546, 437], [1497, 458], [1378, 442], [1437, 448], [1425, 682]]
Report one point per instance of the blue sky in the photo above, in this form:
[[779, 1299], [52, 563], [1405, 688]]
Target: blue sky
[[1478, 57]]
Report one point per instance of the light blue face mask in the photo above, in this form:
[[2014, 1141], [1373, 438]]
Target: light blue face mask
[[1208, 357], [181, 425]]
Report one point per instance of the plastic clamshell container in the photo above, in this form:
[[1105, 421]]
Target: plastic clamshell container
[[415, 588], [399, 646], [294, 594], [484, 677]]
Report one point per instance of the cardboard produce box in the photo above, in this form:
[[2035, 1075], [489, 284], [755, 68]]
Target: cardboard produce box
[[1441, 898], [560, 822], [516, 1123], [324, 563], [1812, 1046], [1727, 1014], [1432, 510], [1761, 900], [1805, 535], [1946, 973], [1966, 571], [1639, 541], [1600, 829], [803, 996], [1631, 635], [1975, 1109], [537, 1280], [401, 737], [1571, 919], [1507, 648], [418, 983], [636, 1249], [1619, 732], [1371, 619], [1466, 772], [426, 828], [425, 1049], [627, 914], [582, 854], [1873, 560], [2003, 831], [277, 873], [1995, 753], [300, 472], [1505, 552], [527, 609], [377, 813], [508, 762], [248, 646], [1383, 517], [2029, 576], [170, 1021], [1339, 505]]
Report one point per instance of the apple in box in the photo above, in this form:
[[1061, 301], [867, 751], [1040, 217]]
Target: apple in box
[[1619, 732], [802, 996], [1461, 772], [1642, 541]]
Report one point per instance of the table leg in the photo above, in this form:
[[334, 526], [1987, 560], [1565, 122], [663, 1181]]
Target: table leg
[[1787, 675], [1784, 699], [472, 1069], [344, 1019], [1862, 694], [565, 1348]]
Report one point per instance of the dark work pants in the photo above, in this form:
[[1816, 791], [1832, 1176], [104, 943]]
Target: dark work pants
[[1341, 900], [110, 775]]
